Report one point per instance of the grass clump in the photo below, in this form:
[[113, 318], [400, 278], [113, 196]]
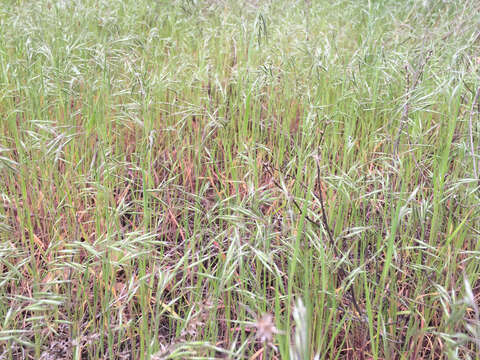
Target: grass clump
[[177, 175]]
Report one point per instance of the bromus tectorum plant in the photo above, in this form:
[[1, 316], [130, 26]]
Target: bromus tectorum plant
[[172, 170]]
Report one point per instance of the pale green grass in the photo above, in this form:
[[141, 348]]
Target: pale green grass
[[159, 189]]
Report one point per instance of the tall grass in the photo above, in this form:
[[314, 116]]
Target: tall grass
[[239, 179]]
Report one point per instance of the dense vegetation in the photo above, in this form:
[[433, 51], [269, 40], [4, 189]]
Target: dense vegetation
[[290, 179]]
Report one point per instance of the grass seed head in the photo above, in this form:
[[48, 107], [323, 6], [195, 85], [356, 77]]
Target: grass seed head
[[265, 328]]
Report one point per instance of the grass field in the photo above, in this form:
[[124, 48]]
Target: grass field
[[252, 179]]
